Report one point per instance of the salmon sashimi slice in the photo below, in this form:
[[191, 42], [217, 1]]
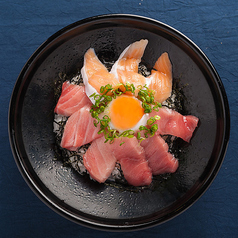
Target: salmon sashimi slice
[[126, 67], [95, 74], [130, 155], [161, 78], [99, 160], [131, 78], [159, 159], [79, 130], [72, 98], [174, 123]]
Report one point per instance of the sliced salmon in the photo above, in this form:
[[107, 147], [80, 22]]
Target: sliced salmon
[[161, 78], [95, 74], [72, 98], [174, 123], [79, 130], [101, 157], [126, 67], [159, 159]]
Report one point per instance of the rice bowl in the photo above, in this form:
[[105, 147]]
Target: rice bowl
[[77, 197]]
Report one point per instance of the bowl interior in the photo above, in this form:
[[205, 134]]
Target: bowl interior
[[100, 205]]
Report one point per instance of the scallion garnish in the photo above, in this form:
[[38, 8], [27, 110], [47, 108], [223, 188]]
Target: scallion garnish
[[107, 93], [146, 95]]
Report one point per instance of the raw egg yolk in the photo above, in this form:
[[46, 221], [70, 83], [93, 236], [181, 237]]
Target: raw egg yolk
[[125, 112]]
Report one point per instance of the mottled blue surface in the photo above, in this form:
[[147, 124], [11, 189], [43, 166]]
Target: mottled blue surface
[[212, 25]]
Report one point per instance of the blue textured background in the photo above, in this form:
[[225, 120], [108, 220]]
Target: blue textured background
[[212, 25]]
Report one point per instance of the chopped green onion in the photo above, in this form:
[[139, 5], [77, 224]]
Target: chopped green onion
[[107, 93], [151, 121]]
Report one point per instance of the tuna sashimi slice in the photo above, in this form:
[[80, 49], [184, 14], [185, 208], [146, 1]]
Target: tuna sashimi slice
[[174, 123], [159, 159], [79, 130], [161, 78], [99, 160], [134, 165], [130, 155], [72, 98]]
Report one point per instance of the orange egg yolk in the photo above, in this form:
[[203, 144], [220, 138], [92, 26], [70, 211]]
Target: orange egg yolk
[[125, 112]]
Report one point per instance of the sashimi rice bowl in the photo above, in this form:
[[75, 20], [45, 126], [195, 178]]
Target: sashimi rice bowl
[[118, 122], [113, 122]]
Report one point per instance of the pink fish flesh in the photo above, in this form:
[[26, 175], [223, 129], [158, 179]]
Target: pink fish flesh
[[173, 123], [99, 161], [130, 155], [72, 98], [79, 130], [159, 159]]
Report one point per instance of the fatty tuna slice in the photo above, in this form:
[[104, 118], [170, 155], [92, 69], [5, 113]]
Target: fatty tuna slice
[[174, 123], [79, 130], [72, 98], [99, 161], [159, 159], [130, 155]]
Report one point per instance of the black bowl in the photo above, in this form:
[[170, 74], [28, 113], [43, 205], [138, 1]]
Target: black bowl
[[104, 206]]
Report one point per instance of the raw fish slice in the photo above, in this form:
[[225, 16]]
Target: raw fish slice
[[126, 67], [173, 123], [135, 50], [130, 155], [159, 159], [95, 74], [163, 65], [127, 147], [99, 161], [79, 130], [161, 78], [72, 98], [131, 78], [136, 171], [134, 165]]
